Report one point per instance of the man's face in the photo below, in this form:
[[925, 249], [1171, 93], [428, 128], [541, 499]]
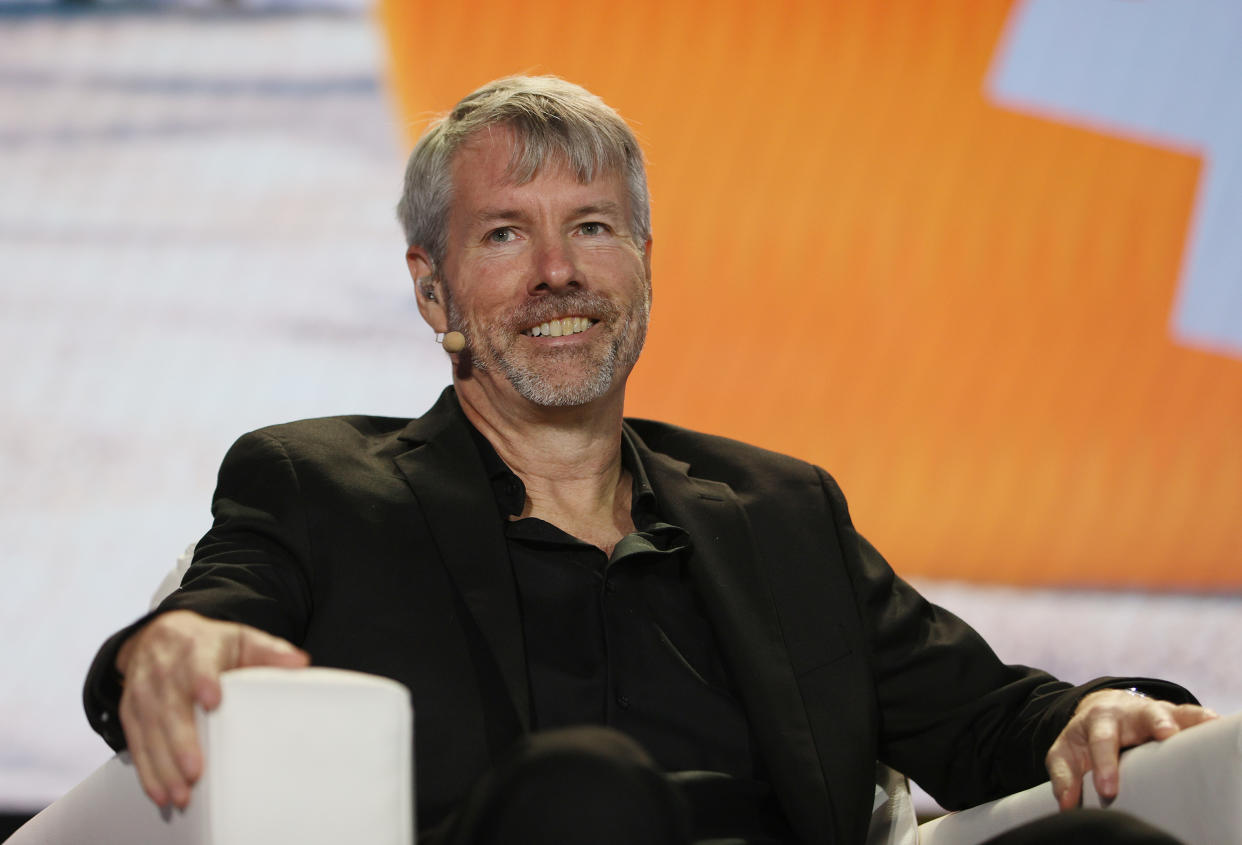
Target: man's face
[[545, 279]]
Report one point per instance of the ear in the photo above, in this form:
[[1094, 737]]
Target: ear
[[647, 259], [423, 274]]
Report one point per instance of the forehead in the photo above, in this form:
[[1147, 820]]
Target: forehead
[[482, 172], [487, 153]]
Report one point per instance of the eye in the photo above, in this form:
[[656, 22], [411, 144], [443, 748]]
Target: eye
[[593, 228], [503, 235]]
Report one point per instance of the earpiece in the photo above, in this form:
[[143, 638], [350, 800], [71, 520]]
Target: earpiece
[[452, 341]]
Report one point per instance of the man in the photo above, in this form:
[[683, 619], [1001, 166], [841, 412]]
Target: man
[[527, 562]]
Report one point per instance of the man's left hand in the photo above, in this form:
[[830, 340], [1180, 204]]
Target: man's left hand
[[1105, 722]]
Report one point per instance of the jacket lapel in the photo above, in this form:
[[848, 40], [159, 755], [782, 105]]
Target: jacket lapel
[[726, 569], [447, 477]]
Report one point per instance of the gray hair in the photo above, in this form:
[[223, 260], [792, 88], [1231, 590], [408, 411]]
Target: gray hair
[[551, 118]]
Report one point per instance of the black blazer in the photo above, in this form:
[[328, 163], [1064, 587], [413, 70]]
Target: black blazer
[[376, 545]]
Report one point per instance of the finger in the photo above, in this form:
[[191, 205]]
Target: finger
[[167, 768], [1065, 776], [203, 683], [174, 733], [207, 692], [1143, 720], [1104, 747], [145, 768], [181, 735], [1160, 720], [1189, 715], [240, 646], [157, 769]]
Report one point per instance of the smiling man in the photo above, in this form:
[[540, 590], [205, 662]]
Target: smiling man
[[551, 276], [612, 630]]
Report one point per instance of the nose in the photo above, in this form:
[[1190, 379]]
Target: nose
[[555, 267]]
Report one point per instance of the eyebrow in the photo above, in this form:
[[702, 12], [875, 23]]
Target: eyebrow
[[604, 207], [489, 215]]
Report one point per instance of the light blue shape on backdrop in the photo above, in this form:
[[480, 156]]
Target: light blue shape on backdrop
[[1162, 71]]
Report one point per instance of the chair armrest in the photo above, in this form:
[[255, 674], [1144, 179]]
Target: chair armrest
[[1188, 785], [313, 756]]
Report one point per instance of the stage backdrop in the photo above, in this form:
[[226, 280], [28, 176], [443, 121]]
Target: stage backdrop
[[978, 259]]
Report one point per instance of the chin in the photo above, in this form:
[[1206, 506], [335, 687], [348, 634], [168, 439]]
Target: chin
[[562, 395], [567, 391]]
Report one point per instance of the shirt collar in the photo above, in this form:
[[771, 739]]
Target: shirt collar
[[510, 492]]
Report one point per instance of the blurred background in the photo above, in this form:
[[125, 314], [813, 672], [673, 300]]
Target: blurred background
[[979, 259]]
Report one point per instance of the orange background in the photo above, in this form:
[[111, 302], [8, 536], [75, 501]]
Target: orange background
[[958, 310]]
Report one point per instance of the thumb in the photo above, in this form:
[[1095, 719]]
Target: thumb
[[257, 648], [246, 646]]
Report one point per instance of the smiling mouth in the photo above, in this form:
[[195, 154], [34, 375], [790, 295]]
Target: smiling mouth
[[560, 327]]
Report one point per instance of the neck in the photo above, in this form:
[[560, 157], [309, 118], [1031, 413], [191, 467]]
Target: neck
[[568, 458]]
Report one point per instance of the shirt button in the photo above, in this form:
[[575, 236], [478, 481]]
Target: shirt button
[[610, 586], [623, 702]]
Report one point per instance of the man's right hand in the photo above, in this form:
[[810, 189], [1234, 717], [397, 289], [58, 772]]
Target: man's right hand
[[168, 666]]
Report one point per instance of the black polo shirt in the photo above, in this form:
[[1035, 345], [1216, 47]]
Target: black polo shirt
[[621, 640]]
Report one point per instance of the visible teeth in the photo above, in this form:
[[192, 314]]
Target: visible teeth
[[560, 328]]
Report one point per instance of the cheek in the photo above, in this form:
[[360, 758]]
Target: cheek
[[486, 287], [615, 263]]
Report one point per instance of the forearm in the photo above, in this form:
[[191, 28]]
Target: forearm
[[963, 724]]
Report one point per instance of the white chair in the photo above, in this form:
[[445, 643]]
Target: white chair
[[310, 756], [1189, 785], [323, 756], [314, 756]]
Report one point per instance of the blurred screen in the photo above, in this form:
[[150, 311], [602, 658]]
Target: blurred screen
[[975, 258]]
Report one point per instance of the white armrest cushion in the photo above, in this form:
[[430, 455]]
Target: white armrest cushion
[[1190, 785], [312, 756]]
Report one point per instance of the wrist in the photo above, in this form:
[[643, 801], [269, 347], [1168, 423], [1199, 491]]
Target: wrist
[[122, 661], [1105, 694]]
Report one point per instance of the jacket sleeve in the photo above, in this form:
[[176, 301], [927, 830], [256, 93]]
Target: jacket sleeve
[[965, 726], [249, 568]]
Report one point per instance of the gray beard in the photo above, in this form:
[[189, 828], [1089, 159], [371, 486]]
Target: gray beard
[[535, 386], [593, 384]]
